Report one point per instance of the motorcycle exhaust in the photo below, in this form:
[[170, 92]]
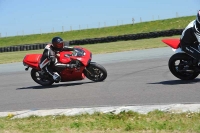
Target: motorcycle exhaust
[[27, 68]]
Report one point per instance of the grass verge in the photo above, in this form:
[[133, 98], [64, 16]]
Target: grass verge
[[155, 121]]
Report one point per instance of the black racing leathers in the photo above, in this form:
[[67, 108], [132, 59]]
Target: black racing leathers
[[49, 59], [190, 41]]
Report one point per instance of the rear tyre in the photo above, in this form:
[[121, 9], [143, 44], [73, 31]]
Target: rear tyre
[[95, 72], [42, 79], [181, 66]]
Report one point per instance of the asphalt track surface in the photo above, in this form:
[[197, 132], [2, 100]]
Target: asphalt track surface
[[139, 77]]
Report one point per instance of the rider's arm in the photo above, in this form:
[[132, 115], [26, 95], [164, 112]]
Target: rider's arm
[[188, 37], [66, 47], [50, 55]]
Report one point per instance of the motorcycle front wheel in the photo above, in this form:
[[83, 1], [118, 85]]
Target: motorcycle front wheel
[[95, 72], [43, 80], [181, 66]]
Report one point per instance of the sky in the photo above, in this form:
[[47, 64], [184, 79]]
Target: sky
[[24, 17]]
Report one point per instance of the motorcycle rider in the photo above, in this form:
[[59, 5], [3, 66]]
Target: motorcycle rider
[[49, 57], [190, 39]]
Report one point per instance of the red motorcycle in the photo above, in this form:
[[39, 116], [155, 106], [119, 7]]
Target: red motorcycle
[[181, 64], [79, 56]]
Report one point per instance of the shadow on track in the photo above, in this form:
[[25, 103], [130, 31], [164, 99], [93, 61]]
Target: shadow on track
[[176, 82], [53, 86]]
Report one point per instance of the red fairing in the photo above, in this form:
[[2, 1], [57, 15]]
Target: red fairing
[[64, 57], [69, 74], [84, 59], [72, 74], [32, 60], [88, 57], [174, 43]]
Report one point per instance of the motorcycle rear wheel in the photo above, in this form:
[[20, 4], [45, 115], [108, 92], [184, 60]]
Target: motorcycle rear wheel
[[95, 72], [36, 76], [181, 67]]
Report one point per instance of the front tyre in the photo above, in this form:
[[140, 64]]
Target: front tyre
[[95, 72], [181, 66], [41, 78]]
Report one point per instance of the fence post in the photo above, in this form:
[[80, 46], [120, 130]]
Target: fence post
[[133, 20], [177, 14], [63, 29]]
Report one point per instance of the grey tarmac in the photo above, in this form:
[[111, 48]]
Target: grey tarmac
[[137, 80]]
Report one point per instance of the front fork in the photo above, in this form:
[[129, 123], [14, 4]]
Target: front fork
[[88, 71]]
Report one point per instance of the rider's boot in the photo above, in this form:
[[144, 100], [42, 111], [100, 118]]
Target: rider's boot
[[56, 77]]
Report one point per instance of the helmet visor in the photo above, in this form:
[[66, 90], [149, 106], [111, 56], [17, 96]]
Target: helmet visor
[[60, 45]]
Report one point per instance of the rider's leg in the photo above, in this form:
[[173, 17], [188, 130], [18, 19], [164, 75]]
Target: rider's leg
[[55, 75], [191, 50], [46, 67]]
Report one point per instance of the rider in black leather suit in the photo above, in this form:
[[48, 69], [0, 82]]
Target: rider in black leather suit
[[49, 57], [190, 39]]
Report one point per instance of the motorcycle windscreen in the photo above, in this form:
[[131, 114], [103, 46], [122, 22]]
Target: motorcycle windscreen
[[174, 43]]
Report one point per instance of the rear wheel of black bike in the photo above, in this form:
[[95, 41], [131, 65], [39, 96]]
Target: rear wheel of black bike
[[181, 66]]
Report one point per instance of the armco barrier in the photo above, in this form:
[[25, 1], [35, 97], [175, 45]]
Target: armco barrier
[[127, 37]]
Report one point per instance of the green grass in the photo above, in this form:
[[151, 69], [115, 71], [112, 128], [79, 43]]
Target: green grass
[[159, 25], [155, 121]]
